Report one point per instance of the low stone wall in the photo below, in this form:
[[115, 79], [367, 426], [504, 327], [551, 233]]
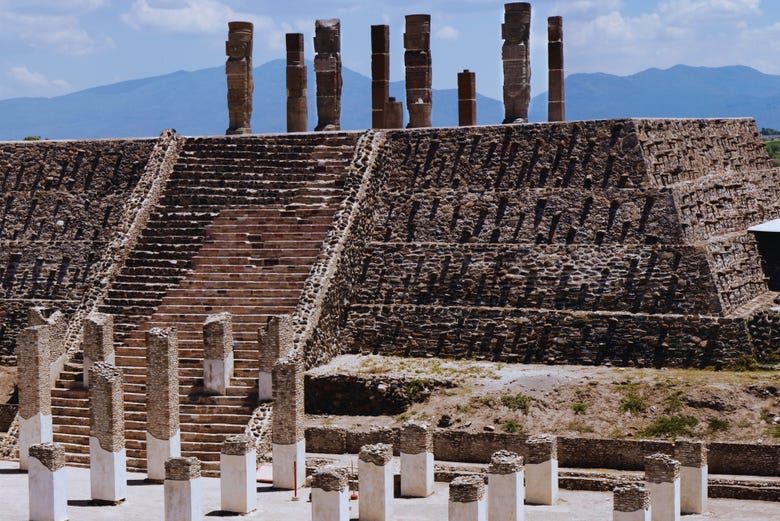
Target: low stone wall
[[466, 447]]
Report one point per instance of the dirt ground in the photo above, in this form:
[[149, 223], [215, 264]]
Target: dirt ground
[[579, 400]]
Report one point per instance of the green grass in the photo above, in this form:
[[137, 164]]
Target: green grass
[[716, 425], [674, 402], [512, 425], [517, 402], [416, 390], [775, 431], [773, 147], [632, 403], [579, 408], [671, 426]]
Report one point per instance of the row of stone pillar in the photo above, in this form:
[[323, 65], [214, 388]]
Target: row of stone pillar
[[385, 111]]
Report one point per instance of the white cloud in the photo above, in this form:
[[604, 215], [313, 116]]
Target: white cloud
[[63, 33], [447, 32], [199, 17], [36, 81]]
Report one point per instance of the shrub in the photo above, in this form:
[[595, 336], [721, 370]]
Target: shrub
[[517, 402], [512, 425], [632, 403], [672, 426], [579, 408], [717, 425]]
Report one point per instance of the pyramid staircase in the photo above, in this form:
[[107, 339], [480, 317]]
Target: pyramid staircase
[[240, 224]]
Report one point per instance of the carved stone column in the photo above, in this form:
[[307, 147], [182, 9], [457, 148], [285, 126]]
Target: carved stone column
[[327, 66], [516, 56], [380, 74], [467, 98], [417, 42], [556, 106], [239, 77], [297, 108]]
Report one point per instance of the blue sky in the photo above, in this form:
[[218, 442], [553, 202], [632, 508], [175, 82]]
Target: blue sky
[[52, 47]]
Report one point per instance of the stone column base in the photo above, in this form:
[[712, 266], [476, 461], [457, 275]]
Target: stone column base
[[637, 515], [107, 473], [33, 431], [157, 452], [665, 501], [48, 495], [376, 491], [541, 482], [283, 468], [238, 482], [183, 500], [473, 511], [506, 496], [417, 474], [329, 505], [693, 489]]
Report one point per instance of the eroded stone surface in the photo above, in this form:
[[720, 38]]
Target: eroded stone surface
[[467, 489], [182, 469], [240, 84], [661, 468], [107, 411], [51, 455]]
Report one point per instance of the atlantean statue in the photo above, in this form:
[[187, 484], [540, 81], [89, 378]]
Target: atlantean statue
[[517, 62], [327, 66], [556, 106], [417, 42], [239, 77]]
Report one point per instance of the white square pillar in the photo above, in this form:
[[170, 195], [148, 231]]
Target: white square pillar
[[506, 487], [467, 499], [238, 471], [375, 482]]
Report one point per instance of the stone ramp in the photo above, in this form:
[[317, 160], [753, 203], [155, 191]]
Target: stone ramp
[[241, 247]]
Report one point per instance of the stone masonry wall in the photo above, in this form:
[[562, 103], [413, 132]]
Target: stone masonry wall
[[60, 204]]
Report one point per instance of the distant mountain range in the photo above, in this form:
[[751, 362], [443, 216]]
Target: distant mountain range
[[194, 103]]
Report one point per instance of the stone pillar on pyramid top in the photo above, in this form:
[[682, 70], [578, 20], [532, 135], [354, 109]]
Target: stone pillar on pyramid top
[[107, 456], [380, 74], [47, 483], [516, 57], [297, 84], [163, 439], [419, 69], [98, 343], [556, 103], [35, 422], [276, 341], [218, 357], [467, 98], [631, 502], [692, 456], [327, 67], [662, 476], [240, 85], [416, 459], [288, 435], [57, 324]]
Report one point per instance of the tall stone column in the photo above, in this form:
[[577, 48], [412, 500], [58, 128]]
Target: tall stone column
[[419, 72], [631, 503], [32, 351], [327, 66], [416, 460], [380, 74], [516, 55], [467, 499], [239, 77], [556, 105], [692, 456], [297, 108], [47, 483], [541, 470], [98, 341], [218, 349], [163, 439], [662, 475], [375, 482], [276, 341], [467, 98], [288, 436], [107, 456], [506, 487]]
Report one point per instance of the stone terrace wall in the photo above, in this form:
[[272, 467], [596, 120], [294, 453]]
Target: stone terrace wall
[[60, 204], [566, 243]]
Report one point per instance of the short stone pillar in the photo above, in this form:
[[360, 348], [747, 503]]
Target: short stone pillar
[[327, 67], [541, 468], [467, 98], [297, 84], [662, 475], [516, 56], [32, 352], [107, 457], [631, 502], [163, 439], [506, 487], [394, 114], [218, 349], [692, 456], [380, 73], [182, 490], [240, 85], [330, 495], [419, 70], [416, 460], [288, 435], [467, 499], [276, 341], [556, 107], [238, 471], [48, 495], [375, 482], [98, 341]]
